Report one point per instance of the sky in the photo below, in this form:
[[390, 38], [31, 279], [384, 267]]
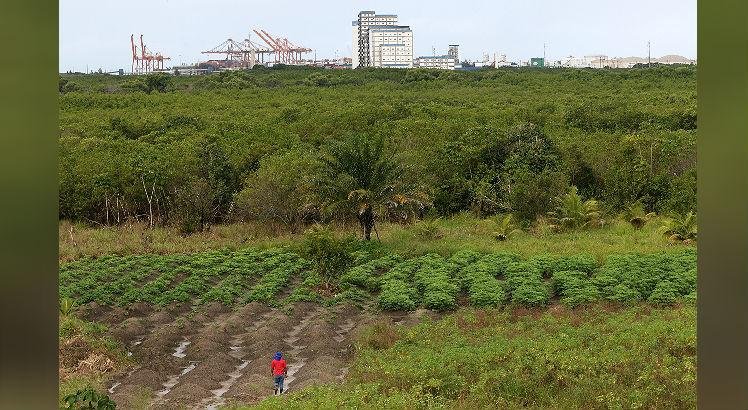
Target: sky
[[96, 34]]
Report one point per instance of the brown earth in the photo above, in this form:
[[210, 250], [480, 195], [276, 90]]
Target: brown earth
[[216, 356]]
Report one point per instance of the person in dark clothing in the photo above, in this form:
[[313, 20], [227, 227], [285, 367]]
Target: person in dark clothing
[[279, 370]]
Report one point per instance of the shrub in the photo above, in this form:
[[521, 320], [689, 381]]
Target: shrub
[[487, 293], [463, 258], [67, 306], [623, 294], [684, 281], [579, 291], [560, 281], [519, 273], [88, 398], [439, 298], [396, 295], [433, 280], [504, 228], [480, 280], [549, 264], [365, 275], [636, 215], [330, 256], [279, 190], [664, 293], [428, 229], [355, 295], [531, 294]]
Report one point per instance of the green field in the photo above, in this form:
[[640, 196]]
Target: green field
[[635, 357], [533, 237], [394, 281]]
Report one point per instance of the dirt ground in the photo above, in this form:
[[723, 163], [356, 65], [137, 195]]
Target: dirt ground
[[218, 356]]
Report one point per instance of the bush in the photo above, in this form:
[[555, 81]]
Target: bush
[[463, 258], [664, 293], [560, 281], [396, 295], [88, 398], [279, 191], [519, 273], [578, 292], [433, 280], [330, 256], [366, 275], [623, 294], [487, 293], [531, 294], [684, 281], [549, 264], [428, 229]]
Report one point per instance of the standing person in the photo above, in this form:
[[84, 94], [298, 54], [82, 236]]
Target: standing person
[[279, 370]]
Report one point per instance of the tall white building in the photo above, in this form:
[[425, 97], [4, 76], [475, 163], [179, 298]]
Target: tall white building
[[378, 41]]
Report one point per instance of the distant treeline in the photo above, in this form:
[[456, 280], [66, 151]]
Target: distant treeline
[[255, 144]]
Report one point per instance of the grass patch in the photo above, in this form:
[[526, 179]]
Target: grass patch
[[460, 233], [635, 357]]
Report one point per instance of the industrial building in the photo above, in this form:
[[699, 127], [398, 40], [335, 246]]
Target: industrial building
[[378, 41], [444, 62], [449, 61]]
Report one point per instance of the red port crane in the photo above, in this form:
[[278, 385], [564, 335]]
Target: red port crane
[[285, 51], [145, 61], [242, 54]]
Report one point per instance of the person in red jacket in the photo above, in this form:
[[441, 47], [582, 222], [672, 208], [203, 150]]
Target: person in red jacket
[[279, 371]]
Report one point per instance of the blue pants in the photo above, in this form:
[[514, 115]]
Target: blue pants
[[278, 380]]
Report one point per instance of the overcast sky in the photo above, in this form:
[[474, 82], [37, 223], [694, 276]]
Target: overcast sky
[[96, 34]]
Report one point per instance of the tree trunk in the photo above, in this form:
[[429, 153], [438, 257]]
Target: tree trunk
[[366, 219], [106, 205]]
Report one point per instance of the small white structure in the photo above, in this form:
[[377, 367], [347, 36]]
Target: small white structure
[[445, 62]]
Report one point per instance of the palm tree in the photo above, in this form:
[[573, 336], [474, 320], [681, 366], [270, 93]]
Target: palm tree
[[360, 176], [571, 212], [681, 227]]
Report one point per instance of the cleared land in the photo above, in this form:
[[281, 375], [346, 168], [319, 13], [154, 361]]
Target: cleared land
[[197, 330]]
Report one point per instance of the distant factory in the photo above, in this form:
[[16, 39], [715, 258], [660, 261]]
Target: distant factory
[[448, 61]]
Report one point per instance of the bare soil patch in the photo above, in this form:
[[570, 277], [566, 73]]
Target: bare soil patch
[[225, 354]]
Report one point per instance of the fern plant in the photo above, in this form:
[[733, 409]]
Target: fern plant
[[505, 228], [681, 227], [636, 215], [571, 212]]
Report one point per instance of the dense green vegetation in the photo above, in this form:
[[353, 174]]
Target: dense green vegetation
[[402, 283], [635, 357], [257, 145]]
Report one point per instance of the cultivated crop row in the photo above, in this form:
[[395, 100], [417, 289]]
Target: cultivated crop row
[[431, 281]]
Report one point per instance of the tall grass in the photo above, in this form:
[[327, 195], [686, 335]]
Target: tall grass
[[461, 232]]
